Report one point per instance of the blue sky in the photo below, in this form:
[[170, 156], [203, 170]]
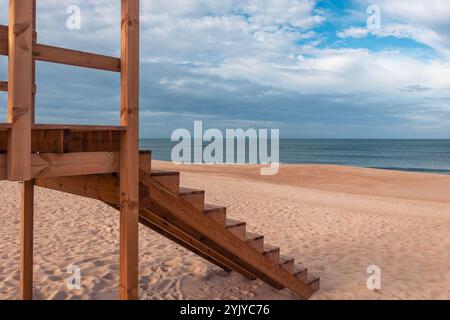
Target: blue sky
[[310, 68]]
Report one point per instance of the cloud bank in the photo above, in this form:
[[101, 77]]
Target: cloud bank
[[288, 64]]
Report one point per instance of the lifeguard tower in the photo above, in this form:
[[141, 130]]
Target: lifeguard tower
[[104, 163]]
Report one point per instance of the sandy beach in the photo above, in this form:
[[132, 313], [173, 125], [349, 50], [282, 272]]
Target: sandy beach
[[337, 220]]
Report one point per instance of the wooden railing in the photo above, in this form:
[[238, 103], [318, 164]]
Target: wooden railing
[[64, 56]]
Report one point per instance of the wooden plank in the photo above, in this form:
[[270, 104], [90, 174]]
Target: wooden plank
[[99, 187], [20, 89], [33, 71], [90, 141], [50, 141], [63, 56], [47, 165], [75, 58], [66, 141], [129, 150], [27, 206], [190, 219], [4, 39], [26, 256], [145, 161], [3, 86], [2, 167]]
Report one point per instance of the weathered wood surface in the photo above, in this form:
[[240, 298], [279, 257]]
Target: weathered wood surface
[[26, 252], [129, 150], [63, 56], [66, 140], [47, 165], [20, 82]]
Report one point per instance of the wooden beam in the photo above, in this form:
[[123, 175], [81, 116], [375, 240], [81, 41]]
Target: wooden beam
[[66, 141], [4, 39], [145, 161], [47, 165], [20, 81], [50, 141], [3, 86], [75, 58], [26, 256], [33, 71], [2, 167], [27, 206], [64, 56], [129, 151], [99, 187]]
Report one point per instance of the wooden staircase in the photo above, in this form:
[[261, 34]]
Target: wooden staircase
[[182, 215]]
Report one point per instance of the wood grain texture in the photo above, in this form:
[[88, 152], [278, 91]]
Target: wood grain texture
[[4, 87], [4, 39], [70, 57], [103, 187], [66, 141], [26, 253], [20, 82], [47, 165], [27, 206], [75, 58], [129, 151]]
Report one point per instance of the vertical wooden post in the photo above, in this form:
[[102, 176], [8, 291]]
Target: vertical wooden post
[[27, 214], [26, 257], [129, 151], [33, 75], [20, 115], [20, 89]]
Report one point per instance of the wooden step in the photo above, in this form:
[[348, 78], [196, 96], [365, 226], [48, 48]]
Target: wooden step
[[169, 179], [256, 241], [229, 243], [272, 253], [216, 213], [301, 273], [194, 197], [313, 282], [287, 264], [236, 227]]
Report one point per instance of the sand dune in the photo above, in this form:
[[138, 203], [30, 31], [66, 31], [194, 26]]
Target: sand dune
[[337, 220]]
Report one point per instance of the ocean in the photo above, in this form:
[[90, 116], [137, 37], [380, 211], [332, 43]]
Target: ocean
[[432, 156]]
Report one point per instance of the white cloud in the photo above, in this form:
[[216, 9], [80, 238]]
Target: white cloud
[[424, 21], [231, 52], [354, 32]]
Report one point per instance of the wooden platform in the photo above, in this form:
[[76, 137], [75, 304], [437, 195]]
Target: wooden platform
[[46, 138]]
